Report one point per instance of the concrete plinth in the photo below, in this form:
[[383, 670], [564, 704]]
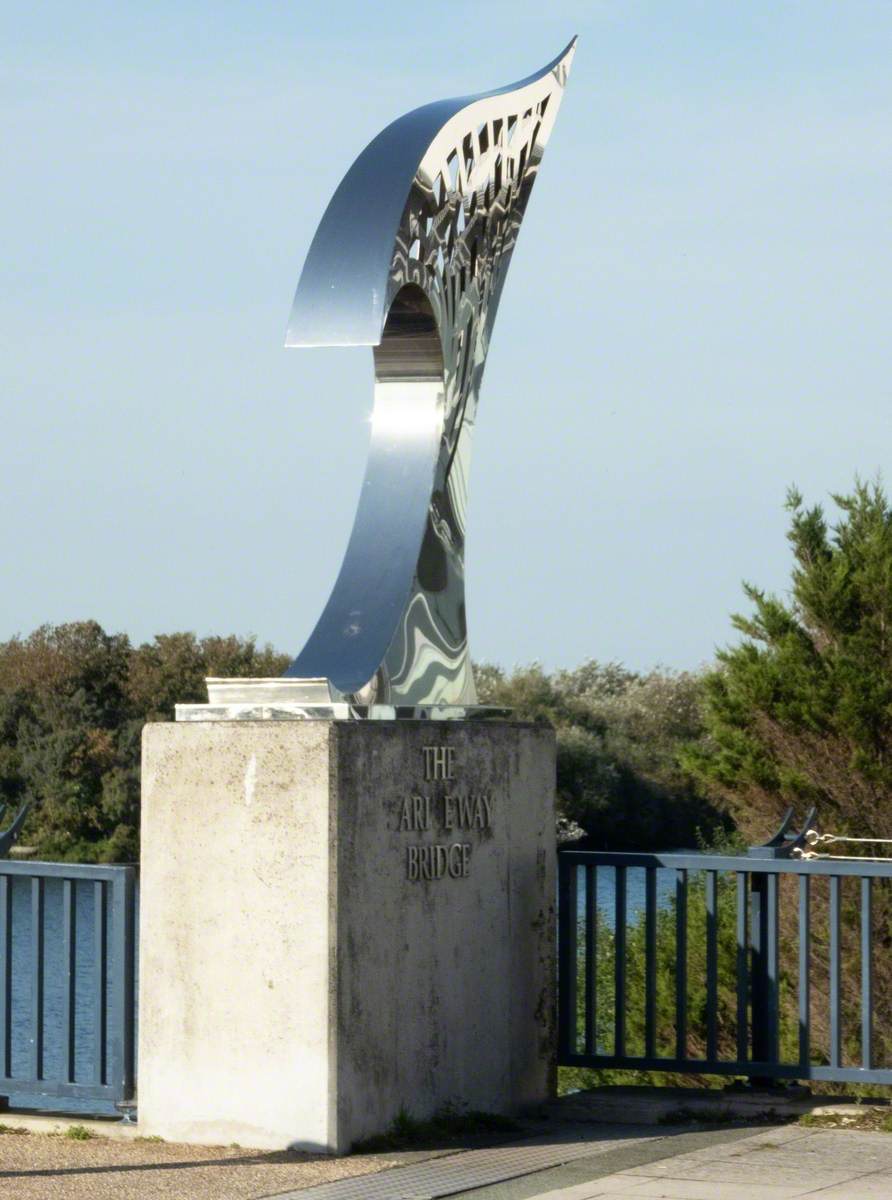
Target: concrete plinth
[[339, 919]]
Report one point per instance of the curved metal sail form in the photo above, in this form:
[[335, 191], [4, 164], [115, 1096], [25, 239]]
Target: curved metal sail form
[[410, 258]]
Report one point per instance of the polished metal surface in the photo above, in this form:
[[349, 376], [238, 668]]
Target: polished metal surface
[[410, 258], [340, 711]]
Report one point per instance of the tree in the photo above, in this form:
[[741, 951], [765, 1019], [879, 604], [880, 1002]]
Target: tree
[[800, 711], [73, 700], [619, 735], [172, 669]]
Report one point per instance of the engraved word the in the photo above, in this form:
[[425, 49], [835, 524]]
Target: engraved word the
[[439, 762]]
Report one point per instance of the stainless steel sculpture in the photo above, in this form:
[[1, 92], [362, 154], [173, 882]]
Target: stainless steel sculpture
[[410, 258]]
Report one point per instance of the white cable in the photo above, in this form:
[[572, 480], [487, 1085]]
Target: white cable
[[824, 839], [814, 839], [809, 855]]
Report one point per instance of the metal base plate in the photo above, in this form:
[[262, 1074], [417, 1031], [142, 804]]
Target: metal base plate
[[340, 712]]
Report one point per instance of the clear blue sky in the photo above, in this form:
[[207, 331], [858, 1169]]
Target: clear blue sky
[[697, 315]]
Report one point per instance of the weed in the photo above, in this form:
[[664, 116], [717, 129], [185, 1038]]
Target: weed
[[79, 1133]]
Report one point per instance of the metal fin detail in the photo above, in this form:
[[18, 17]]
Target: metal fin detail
[[410, 258], [9, 836]]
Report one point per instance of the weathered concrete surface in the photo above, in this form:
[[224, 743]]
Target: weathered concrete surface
[[235, 966], [643, 1105], [339, 920]]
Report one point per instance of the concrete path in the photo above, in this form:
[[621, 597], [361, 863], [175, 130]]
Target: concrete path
[[776, 1163], [563, 1162]]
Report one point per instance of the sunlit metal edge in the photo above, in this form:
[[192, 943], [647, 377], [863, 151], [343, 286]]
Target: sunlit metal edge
[[340, 712]]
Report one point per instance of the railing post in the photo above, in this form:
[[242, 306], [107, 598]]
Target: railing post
[[866, 972], [619, 965], [567, 931], [835, 971], [764, 941], [5, 979], [121, 966], [591, 957], [743, 967]]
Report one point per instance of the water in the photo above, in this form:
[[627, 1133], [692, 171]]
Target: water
[[635, 893]]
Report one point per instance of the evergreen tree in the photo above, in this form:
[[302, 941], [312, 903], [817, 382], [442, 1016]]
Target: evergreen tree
[[800, 711]]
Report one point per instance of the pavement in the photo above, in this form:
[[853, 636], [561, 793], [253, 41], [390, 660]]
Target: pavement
[[780, 1162], [561, 1158]]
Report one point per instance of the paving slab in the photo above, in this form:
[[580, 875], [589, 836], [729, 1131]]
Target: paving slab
[[745, 1164], [806, 1161], [837, 1165]]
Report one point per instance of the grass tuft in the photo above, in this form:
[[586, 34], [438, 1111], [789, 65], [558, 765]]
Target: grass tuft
[[79, 1133]]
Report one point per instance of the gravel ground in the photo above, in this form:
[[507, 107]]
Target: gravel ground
[[42, 1167]]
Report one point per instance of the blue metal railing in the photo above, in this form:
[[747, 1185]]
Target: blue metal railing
[[84, 1047], [592, 1030]]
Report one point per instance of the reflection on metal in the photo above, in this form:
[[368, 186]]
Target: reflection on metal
[[8, 837], [410, 258]]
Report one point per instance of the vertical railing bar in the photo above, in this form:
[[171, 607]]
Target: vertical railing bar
[[804, 970], [711, 966], [650, 964], [681, 964], [37, 981], [69, 934], [760, 983], [742, 966], [835, 945], [99, 977], [866, 972], [121, 975], [619, 999], [5, 976], [591, 959], [567, 885], [772, 953]]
